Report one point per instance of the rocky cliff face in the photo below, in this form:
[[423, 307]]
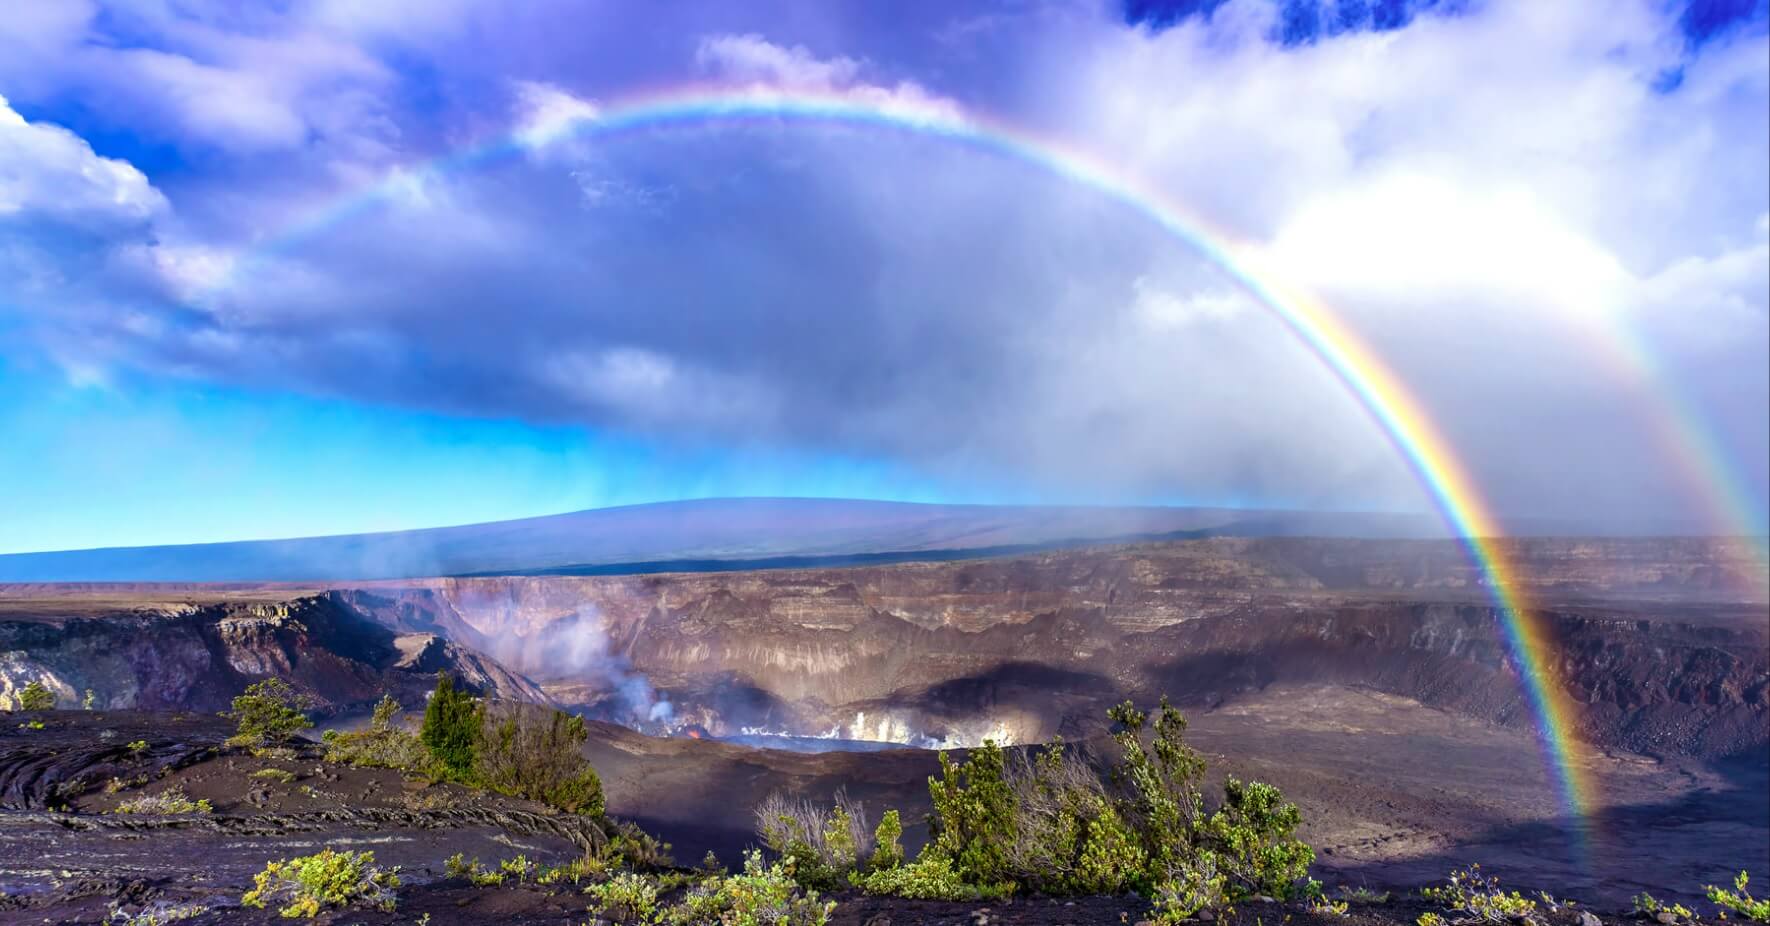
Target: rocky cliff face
[[1661, 644], [197, 657]]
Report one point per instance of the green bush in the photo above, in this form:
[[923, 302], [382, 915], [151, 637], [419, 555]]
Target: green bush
[[1109, 858], [973, 822], [631, 847], [279, 775], [760, 895], [887, 853], [1061, 822], [385, 743], [173, 800], [1191, 886], [35, 697], [1647, 907], [268, 714], [537, 755], [821, 846], [157, 913], [1071, 838], [929, 877], [457, 866], [1158, 775], [451, 728], [1474, 896], [1251, 835], [309, 884], [1739, 900], [625, 898]]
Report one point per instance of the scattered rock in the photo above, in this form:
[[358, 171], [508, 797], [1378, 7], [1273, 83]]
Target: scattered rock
[[1587, 918]]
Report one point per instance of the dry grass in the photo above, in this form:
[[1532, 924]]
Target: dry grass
[[783, 820]]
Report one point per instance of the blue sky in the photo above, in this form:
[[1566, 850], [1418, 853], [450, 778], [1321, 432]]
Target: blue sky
[[1494, 194]]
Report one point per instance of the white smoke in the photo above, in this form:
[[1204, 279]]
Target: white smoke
[[578, 649]]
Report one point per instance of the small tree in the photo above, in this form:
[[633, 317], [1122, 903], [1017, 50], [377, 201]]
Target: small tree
[[973, 822], [451, 725], [269, 713], [1159, 776], [887, 853], [536, 755], [36, 697]]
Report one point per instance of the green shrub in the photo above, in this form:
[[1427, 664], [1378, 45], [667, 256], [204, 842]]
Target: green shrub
[[582, 868], [1191, 886], [535, 755], [1061, 822], [87, 702], [1478, 897], [1364, 895], [158, 913], [36, 697], [385, 743], [1110, 856], [626, 898], [973, 822], [1251, 835], [760, 895], [631, 847], [887, 853], [451, 728], [268, 714], [1158, 775], [1739, 900], [308, 884], [1071, 835], [822, 846], [929, 877], [283, 776], [1649, 908], [457, 866], [170, 801]]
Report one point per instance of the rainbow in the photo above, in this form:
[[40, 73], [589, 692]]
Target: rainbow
[[1379, 392]]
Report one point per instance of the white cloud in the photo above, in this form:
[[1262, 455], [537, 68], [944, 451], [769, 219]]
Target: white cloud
[[49, 172], [546, 113], [650, 390], [201, 73], [1163, 309], [1398, 236], [765, 69], [753, 58]]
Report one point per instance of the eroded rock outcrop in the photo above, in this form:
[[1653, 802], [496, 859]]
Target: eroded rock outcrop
[[197, 657]]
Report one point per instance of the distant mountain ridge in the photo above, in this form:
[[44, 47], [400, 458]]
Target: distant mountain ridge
[[698, 535]]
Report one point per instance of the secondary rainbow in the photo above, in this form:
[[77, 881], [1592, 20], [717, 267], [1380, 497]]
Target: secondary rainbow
[[1370, 382]]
